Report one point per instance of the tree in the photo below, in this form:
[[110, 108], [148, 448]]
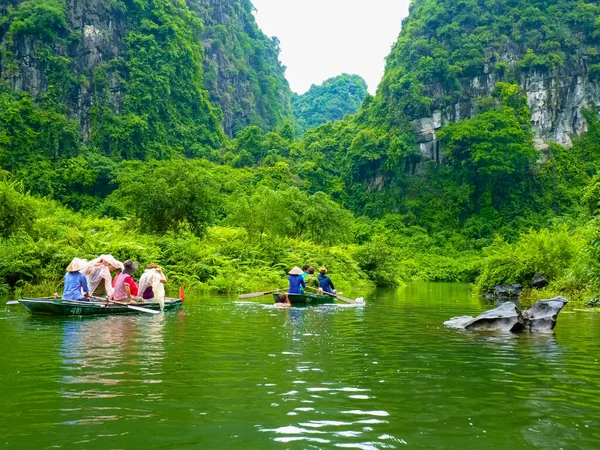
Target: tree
[[168, 196]]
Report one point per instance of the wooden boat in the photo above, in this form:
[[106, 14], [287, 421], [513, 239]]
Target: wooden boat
[[57, 307], [307, 299]]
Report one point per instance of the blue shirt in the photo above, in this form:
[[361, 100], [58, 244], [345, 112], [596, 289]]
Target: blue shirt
[[295, 282], [74, 283], [325, 283]]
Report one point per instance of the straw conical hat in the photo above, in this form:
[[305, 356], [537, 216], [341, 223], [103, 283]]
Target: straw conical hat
[[76, 265], [296, 271]]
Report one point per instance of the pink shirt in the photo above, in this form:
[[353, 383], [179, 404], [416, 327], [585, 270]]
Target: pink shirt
[[120, 281]]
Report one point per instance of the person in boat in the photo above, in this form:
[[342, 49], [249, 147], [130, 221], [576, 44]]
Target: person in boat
[[304, 275], [76, 287], [125, 287], [311, 279], [283, 301], [296, 281], [152, 284], [98, 275], [305, 268], [325, 282]]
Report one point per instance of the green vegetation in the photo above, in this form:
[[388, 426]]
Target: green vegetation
[[160, 181], [329, 102]]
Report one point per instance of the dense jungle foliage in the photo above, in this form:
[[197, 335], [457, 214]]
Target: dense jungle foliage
[[160, 182], [329, 102]]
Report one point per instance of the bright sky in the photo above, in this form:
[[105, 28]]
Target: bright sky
[[324, 38]]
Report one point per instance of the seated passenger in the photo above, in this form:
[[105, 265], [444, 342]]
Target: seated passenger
[[296, 281], [98, 275], [325, 282], [76, 287], [125, 287], [152, 284], [311, 279]]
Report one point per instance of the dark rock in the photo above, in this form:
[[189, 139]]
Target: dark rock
[[508, 317], [538, 281], [543, 315], [504, 292]]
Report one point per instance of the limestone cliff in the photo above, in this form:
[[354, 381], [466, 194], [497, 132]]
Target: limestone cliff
[[450, 55], [78, 54]]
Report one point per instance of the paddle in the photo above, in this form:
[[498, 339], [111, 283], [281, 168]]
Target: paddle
[[13, 302], [339, 297], [257, 294], [137, 308]]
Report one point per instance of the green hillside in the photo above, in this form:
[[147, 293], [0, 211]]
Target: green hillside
[[329, 102]]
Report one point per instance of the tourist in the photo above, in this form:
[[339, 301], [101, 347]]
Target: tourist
[[296, 281], [76, 287], [305, 267], [325, 282], [98, 275], [283, 301], [311, 279], [152, 284], [125, 287]]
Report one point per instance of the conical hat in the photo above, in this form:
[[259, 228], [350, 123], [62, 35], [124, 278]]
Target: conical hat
[[76, 265], [296, 271]]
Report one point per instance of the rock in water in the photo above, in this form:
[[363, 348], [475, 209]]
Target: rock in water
[[538, 281], [543, 315], [508, 317]]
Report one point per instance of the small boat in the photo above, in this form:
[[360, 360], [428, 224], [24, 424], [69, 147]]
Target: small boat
[[57, 307], [307, 299]]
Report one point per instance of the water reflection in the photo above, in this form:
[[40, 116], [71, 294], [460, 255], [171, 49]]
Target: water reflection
[[101, 353]]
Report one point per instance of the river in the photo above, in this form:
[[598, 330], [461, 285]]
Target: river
[[224, 374]]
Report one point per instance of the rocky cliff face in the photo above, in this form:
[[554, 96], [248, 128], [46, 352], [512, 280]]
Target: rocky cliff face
[[555, 97], [97, 34], [85, 41], [450, 55], [242, 70]]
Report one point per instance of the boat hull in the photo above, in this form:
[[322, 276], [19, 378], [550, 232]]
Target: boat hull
[[307, 299], [54, 307]]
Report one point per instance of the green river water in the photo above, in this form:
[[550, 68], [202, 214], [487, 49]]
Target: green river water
[[222, 374]]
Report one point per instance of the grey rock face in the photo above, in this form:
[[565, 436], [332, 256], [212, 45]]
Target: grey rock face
[[504, 292], [542, 317], [555, 99], [538, 281]]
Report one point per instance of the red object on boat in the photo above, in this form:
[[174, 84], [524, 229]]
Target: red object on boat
[[181, 294]]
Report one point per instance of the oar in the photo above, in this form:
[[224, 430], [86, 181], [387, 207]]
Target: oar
[[339, 297], [257, 294], [137, 308], [13, 302]]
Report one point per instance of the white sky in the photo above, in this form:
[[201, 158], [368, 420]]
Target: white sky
[[324, 38]]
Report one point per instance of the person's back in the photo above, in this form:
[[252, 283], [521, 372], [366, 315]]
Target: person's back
[[125, 286], [311, 279], [296, 281], [76, 286], [325, 282]]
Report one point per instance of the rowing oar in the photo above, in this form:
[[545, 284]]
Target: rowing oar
[[339, 297], [13, 302], [257, 294], [137, 308]]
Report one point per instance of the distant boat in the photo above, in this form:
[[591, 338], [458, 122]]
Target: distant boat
[[57, 307], [308, 299]]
